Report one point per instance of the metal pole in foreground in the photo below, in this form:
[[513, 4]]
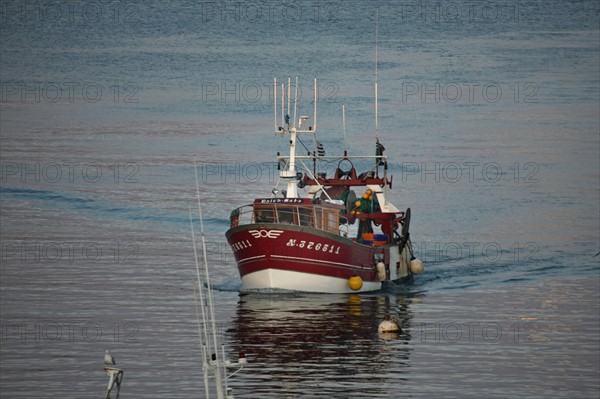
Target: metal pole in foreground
[[115, 374], [115, 378]]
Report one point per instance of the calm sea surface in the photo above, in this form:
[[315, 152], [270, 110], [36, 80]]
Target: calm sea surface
[[488, 110]]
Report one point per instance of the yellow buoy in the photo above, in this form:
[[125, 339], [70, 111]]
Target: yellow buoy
[[369, 192], [365, 196], [357, 203], [355, 282]]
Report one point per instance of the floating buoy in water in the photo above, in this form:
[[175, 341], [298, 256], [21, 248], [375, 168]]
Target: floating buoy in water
[[355, 282], [389, 325], [416, 266]]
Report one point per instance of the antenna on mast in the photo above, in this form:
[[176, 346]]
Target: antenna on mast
[[295, 100], [315, 106], [282, 97], [344, 125], [287, 116], [275, 102], [376, 71]]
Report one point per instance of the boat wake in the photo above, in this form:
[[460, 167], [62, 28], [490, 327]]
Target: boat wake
[[228, 286]]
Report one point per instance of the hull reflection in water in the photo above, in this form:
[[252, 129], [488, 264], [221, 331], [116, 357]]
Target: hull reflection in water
[[319, 346]]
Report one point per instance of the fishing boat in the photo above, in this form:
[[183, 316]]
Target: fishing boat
[[342, 235]]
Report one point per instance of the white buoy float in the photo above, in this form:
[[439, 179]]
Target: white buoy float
[[389, 325], [416, 266], [381, 275]]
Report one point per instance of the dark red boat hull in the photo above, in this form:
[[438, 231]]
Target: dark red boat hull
[[291, 257]]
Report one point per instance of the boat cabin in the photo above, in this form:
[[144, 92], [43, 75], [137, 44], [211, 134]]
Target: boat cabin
[[326, 215], [317, 214]]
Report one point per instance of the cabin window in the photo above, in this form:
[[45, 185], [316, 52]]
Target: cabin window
[[287, 215], [328, 220], [306, 216], [317, 217], [264, 215], [331, 220]]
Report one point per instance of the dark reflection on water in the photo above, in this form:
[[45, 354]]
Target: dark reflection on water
[[319, 345]]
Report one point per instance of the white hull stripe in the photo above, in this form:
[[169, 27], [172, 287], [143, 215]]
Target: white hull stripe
[[306, 282], [251, 258], [308, 260]]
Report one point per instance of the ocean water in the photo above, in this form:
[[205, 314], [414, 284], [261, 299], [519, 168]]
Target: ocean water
[[488, 112]]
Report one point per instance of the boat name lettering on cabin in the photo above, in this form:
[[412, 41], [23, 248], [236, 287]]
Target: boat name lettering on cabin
[[281, 201]]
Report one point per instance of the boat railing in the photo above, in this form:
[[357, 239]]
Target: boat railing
[[332, 161], [313, 215]]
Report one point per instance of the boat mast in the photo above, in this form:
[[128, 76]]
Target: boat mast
[[275, 102], [344, 127], [376, 72], [292, 127], [291, 175], [315, 107]]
